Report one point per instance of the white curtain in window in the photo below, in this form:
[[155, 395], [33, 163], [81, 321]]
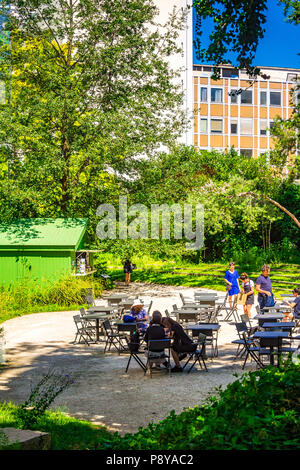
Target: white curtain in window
[[203, 125], [246, 126], [216, 125]]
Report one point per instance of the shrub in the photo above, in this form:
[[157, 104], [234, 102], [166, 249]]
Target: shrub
[[258, 411]]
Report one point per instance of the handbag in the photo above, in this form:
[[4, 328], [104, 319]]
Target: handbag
[[133, 266], [228, 287], [270, 300], [241, 299]]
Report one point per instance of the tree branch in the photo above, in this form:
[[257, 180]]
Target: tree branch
[[250, 193]]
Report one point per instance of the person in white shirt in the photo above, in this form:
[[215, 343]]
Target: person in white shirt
[[248, 289]]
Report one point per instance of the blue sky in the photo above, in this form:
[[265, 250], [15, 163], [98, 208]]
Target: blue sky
[[281, 42]]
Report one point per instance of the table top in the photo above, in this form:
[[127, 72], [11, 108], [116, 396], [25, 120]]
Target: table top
[[97, 316], [267, 316], [277, 308], [204, 326], [100, 308], [183, 312], [271, 334], [116, 296], [281, 324]]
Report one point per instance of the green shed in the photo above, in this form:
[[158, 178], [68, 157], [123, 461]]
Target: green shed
[[42, 249]]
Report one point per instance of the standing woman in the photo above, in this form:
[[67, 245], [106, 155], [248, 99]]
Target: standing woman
[[231, 278], [127, 270], [248, 289]]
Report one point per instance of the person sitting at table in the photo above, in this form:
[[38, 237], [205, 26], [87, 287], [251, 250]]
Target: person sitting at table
[[155, 331], [248, 289], [263, 287], [295, 305], [138, 314], [182, 343]]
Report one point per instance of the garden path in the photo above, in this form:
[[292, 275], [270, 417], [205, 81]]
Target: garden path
[[102, 393]]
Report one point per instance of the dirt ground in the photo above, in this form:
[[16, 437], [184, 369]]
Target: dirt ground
[[102, 392]]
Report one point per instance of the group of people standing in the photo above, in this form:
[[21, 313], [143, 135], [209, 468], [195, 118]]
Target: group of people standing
[[265, 296]]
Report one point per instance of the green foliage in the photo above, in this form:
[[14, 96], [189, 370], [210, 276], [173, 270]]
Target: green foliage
[[41, 397], [238, 26], [259, 411], [30, 296], [86, 100], [67, 433]]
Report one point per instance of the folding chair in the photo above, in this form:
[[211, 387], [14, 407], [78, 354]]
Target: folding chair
[[185, 299], [198, 355], [231, 311], [82, 331], [89, 297], [167, 313], [134, 351], [251, 329], [241, 328], [158, 346], [221, 306], [112, 338], [253, 351]]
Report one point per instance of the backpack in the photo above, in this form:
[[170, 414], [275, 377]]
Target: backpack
[[134, 342]]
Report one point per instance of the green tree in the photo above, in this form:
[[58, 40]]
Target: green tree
[[89, 90]]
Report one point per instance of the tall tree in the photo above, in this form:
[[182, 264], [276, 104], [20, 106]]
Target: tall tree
[[91, 89]]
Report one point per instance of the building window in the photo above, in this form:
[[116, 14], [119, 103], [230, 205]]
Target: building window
[[271, 124], [233, 126], [246, 97], [230, 73], [203, 94], [263, 127], [203, 125], [263, 97], [246, 126], [216, 95], [233, 97], [246, 153], [216, 126], [275, 98]]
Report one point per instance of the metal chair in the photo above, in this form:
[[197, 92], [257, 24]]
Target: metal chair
[[134, 349], [198, 355], [112, 338], [185, 299], [241, 328], [156, 353], [90, 297], [82, 331], [253, 351]]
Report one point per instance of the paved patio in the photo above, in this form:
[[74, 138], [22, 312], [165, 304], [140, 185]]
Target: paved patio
[[102, 392]]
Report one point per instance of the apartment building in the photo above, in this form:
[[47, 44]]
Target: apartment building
[[223, 118]]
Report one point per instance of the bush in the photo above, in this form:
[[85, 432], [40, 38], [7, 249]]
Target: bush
[[29, 295], [258, 411]]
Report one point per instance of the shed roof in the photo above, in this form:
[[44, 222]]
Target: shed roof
[[43, 233]]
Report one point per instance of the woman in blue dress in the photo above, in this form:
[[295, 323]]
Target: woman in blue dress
[[231, 278]]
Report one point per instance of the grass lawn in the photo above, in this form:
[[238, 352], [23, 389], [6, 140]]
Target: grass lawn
[[66, 432], [284, 277]]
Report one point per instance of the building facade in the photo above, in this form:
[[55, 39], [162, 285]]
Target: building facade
[[184, 60], [223, 118]]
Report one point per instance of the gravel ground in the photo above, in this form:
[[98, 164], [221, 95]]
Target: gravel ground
[[102, 393]]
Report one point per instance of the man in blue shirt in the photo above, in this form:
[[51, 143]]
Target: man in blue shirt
[[263, 287], [296, 303]]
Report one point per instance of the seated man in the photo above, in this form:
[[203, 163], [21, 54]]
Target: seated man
[[295, 305]]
